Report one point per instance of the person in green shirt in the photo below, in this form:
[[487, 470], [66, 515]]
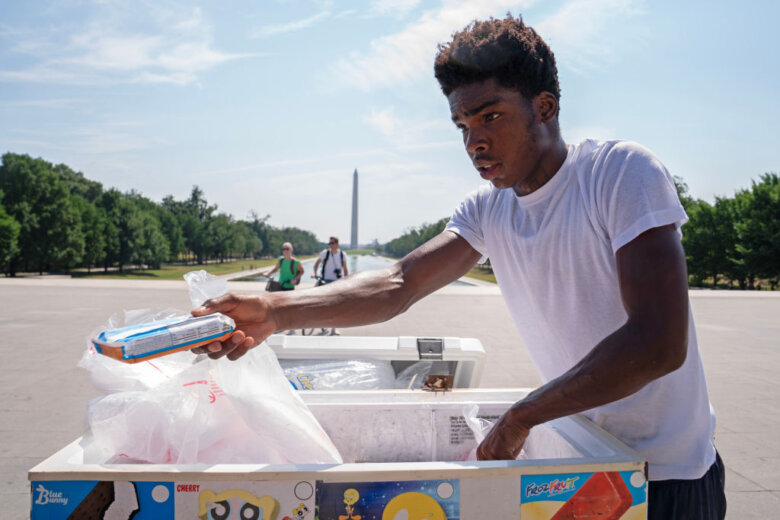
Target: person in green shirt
[[290, 269]]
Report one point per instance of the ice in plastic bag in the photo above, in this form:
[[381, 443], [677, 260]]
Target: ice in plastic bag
[[189, 409], [215, 411], [338, 374], [541, 442]]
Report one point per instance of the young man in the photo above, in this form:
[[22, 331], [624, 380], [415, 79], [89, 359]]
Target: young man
[[585, 244], [334, 266], [334, 262]]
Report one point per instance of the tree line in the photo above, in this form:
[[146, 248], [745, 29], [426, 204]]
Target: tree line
[[412, 239], [54, 219], [735, 241]]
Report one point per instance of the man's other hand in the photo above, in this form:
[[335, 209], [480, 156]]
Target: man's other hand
[[505, 440]]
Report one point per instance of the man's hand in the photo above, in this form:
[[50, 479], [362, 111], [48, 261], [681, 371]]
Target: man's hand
[[505, 440], [253, 324]]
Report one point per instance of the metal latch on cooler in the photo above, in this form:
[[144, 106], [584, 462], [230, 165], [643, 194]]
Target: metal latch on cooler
[[430, 348]]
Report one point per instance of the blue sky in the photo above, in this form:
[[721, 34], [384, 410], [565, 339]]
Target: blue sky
[[270, 105]]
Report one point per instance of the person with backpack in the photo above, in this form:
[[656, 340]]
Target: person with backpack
[[290, 269], [334, 263], [334, 266]]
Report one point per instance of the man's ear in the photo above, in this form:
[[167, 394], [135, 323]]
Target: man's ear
[[545, 106]]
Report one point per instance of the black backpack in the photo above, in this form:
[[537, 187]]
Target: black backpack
[[327, 255]]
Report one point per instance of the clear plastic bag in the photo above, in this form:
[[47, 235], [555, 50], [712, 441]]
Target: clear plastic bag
[[110, 375], [542, 441], [338, 374], [188, 409], [479, 426], [215, 411], [204, 286]]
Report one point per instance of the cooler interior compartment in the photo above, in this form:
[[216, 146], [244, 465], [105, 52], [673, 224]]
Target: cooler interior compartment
[[403, 458], [404, 362]]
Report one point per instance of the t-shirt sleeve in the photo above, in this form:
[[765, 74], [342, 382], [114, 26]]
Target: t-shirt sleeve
[[637, 194], [466, 222]]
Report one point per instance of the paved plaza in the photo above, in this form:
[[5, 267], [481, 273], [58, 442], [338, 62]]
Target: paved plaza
[[45, 323]]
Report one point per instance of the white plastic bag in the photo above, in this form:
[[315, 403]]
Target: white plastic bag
[[215, 411], [204, 286], [110, 375], [188, 409], [542, 442], [479, 427]]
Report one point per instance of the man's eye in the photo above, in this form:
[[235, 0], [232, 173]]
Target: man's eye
[[492, 116]]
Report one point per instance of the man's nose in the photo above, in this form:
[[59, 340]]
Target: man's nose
[[476, 142]]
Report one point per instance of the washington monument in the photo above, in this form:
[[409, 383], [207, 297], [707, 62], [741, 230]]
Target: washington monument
[[353, 243]]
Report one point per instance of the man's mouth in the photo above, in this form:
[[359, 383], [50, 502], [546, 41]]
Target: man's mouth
[[488, 170]]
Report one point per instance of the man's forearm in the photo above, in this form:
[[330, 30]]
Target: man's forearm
[[619, 366], [374, 296], [652, 342], [363, 298]]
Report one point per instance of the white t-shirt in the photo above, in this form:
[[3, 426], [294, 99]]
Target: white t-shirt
[[553, 254], [333, 263]]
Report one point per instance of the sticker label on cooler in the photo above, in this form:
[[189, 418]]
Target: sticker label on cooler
[[416, 499], [605, 495], [103, 499]]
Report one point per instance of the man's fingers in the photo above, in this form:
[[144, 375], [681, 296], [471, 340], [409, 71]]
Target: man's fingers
[[503, 442], [242, 349], [218, 349], [224, 304], [204, 309]]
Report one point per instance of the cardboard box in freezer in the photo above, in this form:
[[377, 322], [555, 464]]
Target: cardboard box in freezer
[[403, 454]]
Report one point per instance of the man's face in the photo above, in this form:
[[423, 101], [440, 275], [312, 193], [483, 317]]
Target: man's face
[[333, 245], [501, 132]]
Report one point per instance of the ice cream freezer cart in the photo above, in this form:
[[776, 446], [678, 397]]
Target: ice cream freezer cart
[[405, 458]]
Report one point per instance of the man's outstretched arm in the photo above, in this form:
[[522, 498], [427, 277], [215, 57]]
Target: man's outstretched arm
[[652, 342], [365, 297]]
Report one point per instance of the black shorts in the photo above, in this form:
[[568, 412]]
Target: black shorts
[[700, 499]]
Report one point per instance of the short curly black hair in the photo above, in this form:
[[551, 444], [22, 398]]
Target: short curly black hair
[[507, 50]]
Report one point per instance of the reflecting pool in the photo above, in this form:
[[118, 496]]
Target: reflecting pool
[[356, 263]]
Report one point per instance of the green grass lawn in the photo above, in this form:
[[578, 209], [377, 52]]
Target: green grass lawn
[[482, 273], [359, 251], [176, 271]]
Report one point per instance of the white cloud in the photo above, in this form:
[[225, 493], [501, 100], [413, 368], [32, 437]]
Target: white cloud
[[578, 134], [403, 57], [407, 133], [580, 34], [296, 25], [107, 142], [384, 121], [175, 45], [396, 8], [44, 103], [586, 33]]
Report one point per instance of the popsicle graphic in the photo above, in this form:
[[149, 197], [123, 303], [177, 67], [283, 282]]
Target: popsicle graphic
[[604, 496]]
